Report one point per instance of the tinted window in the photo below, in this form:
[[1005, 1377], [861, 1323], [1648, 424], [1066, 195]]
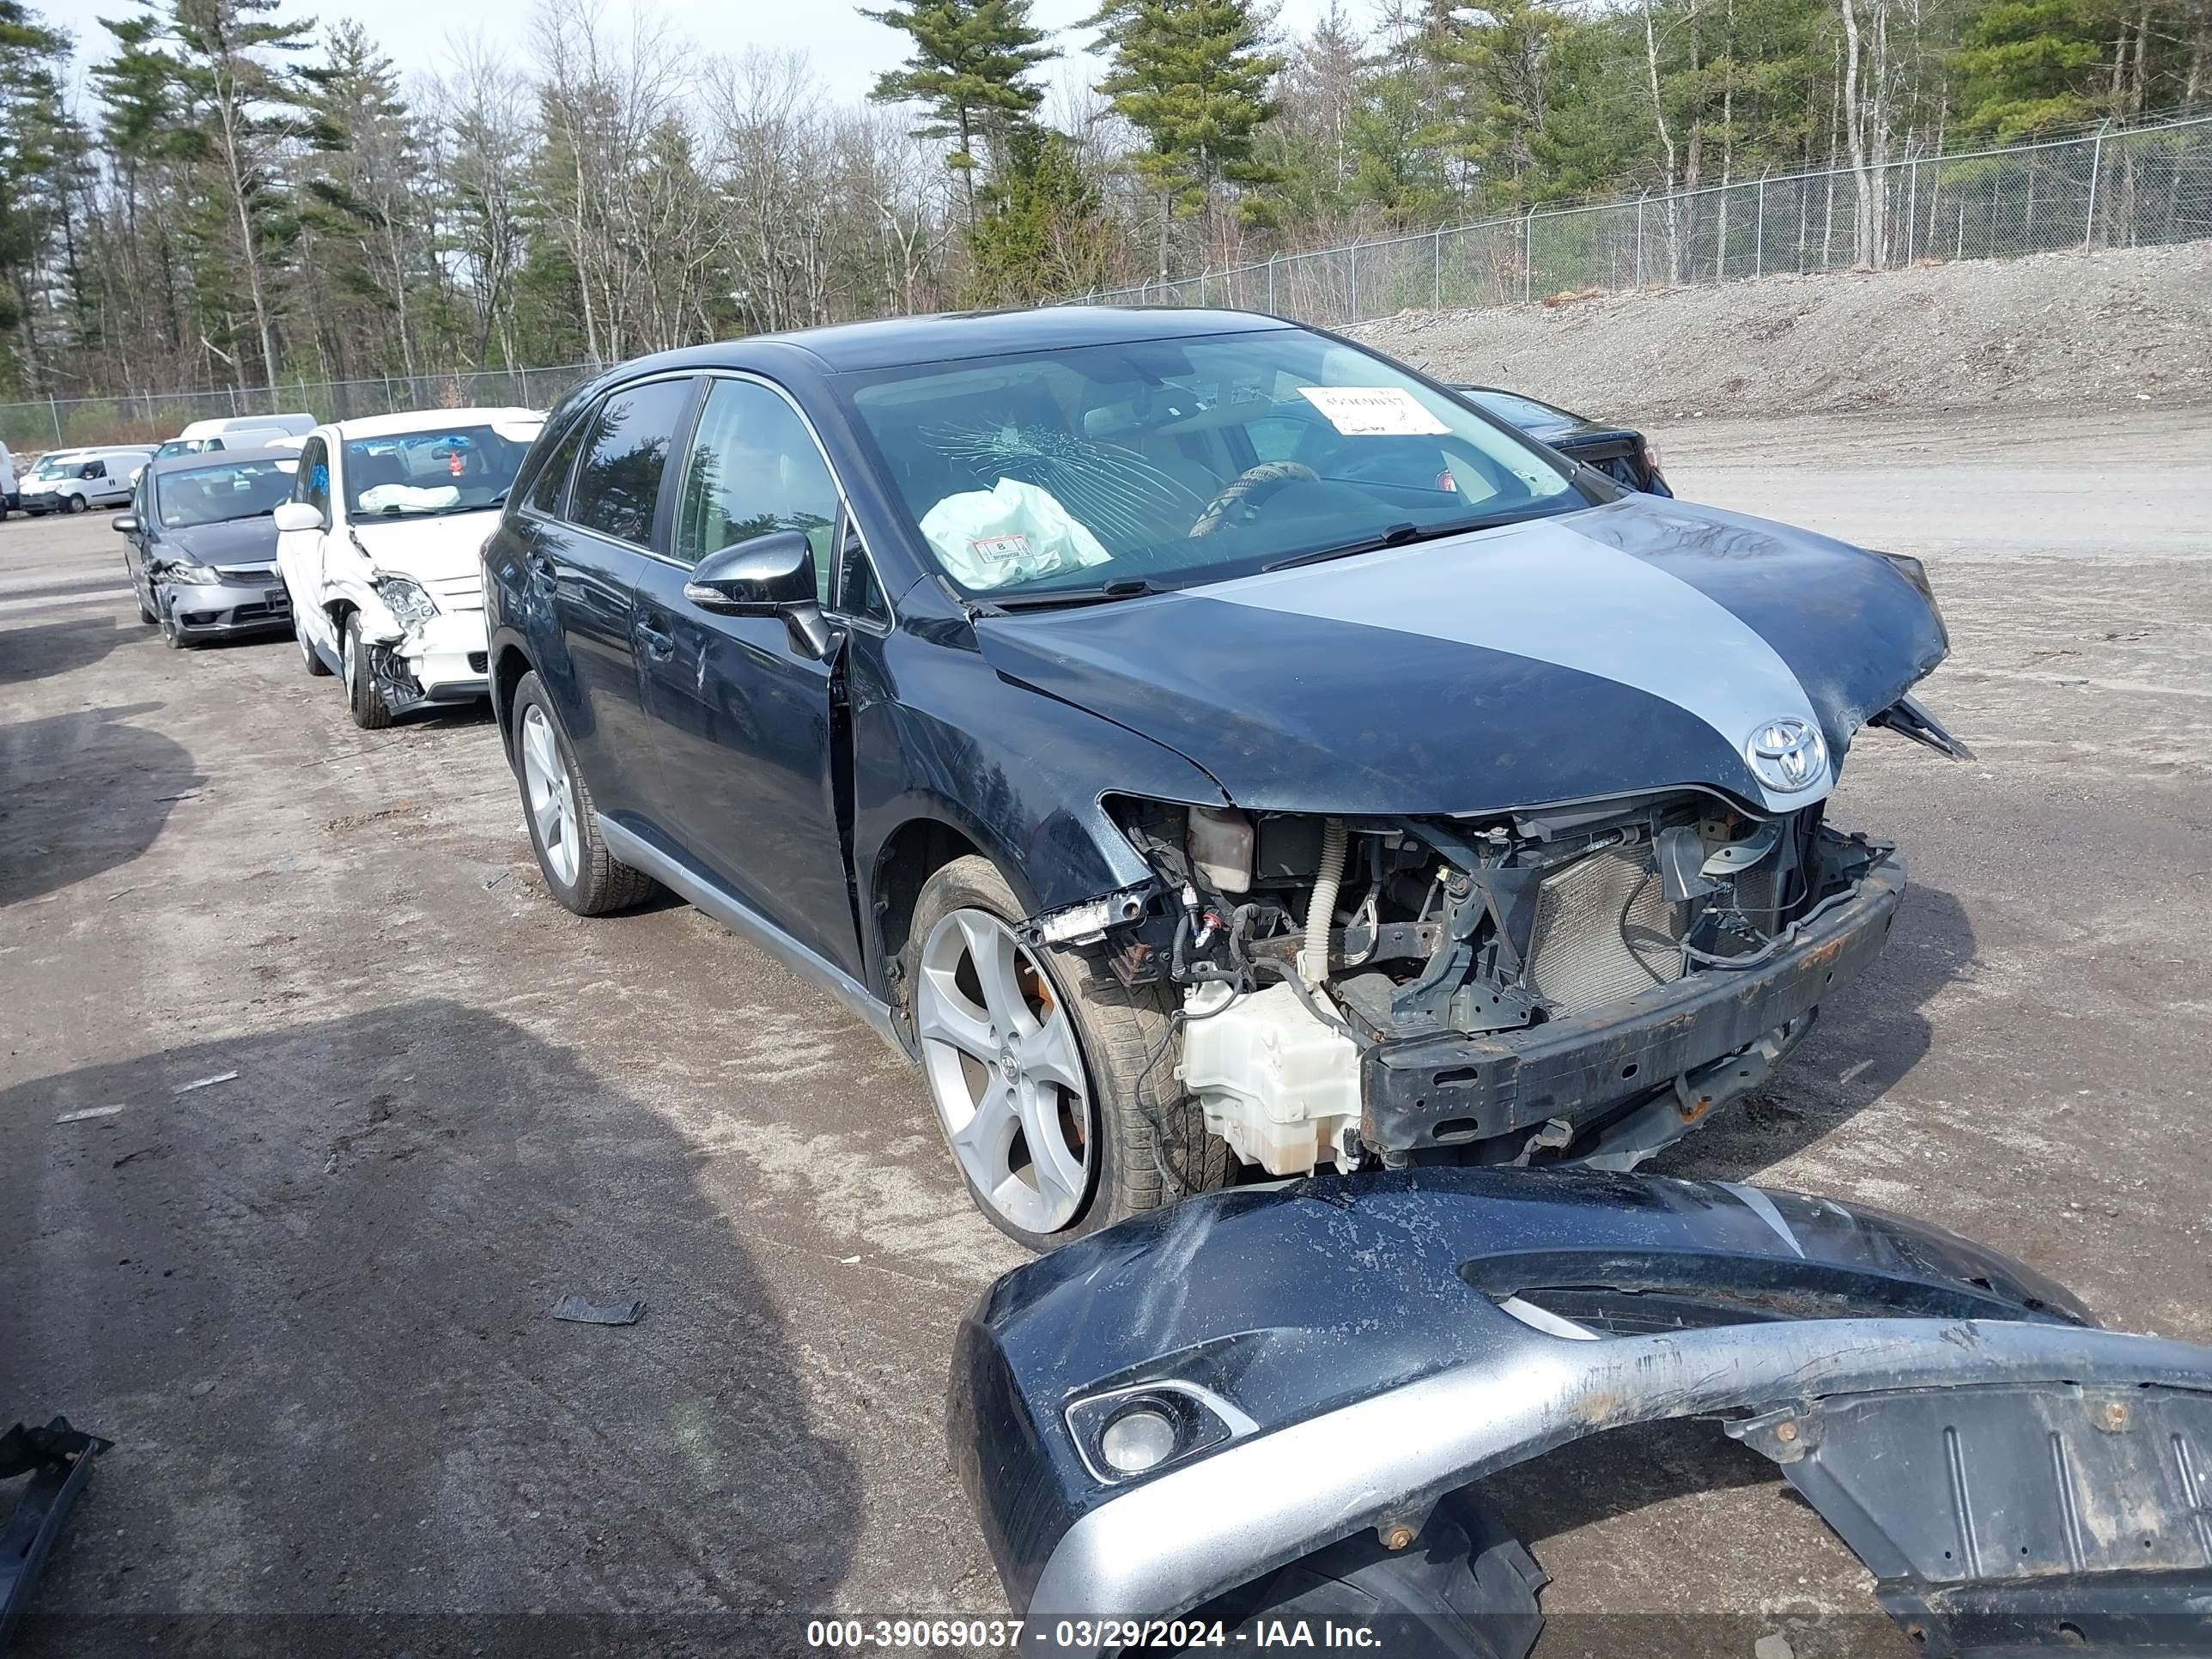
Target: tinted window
[[754, 469], [629, 436], [1524, 412], [859, 592], [550, 488], [313, 484]]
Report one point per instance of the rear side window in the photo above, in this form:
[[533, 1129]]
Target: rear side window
[[629, 438], [549, 490]]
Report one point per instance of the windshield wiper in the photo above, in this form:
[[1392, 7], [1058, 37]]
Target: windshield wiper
[[1405, 535], [385, 514], [1133, 588]]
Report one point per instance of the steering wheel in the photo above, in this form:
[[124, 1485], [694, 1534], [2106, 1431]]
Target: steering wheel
[[1251, 488]]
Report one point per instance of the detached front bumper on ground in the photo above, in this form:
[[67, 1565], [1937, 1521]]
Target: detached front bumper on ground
[[1152, 1421]]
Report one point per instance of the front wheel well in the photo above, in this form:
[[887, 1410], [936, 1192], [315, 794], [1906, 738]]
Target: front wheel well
[[915, 852]]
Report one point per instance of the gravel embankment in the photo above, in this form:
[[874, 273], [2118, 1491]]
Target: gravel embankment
[[2107, 329]]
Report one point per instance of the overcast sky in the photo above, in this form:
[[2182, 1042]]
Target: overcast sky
[[846, 50]]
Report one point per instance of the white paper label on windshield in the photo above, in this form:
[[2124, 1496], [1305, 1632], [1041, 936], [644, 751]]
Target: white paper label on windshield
[[1374, 411]]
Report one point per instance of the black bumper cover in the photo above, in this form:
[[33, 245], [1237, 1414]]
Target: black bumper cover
[[1338, 1355]]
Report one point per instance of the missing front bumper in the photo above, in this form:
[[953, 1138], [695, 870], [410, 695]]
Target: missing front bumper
[[1696, 1042]]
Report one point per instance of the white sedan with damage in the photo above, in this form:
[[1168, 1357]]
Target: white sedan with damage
[[377, 548]]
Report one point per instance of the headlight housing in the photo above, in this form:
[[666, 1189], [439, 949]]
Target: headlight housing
[[408, 601], [192, 576]]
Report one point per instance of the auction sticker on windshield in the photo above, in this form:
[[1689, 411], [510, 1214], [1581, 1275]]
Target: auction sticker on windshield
[[1374, 411]]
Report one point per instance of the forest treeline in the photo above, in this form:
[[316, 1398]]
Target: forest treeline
[[240, 191]]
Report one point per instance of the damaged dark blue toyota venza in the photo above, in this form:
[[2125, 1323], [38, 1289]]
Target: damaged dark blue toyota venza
[[1200, 742]]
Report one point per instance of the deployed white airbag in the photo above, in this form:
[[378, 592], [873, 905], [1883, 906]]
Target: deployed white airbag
[[414, 498], [1014, 532]]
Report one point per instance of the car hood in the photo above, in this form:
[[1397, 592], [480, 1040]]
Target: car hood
[[235, 542], [430, 549], [1631, 647]]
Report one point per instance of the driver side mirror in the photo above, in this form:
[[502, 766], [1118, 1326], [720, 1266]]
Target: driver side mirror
[[124, 524], [299, 515], [770, 576]]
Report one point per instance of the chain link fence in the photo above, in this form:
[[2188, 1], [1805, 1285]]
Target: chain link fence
[[2122, 188], [2128, 188], [127, 417]]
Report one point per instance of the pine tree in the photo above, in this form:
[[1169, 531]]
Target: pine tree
[[228, 107], [1043, 232], [36, 137], [2025, 65], [361, 201], [969, 68], [1192, 76]]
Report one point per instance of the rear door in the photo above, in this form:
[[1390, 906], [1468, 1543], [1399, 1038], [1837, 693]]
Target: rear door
[[586, 526], [743, 721]]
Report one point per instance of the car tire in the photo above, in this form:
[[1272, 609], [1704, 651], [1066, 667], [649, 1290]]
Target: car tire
[[72, 503], [310, 659], [557, 807], [364, 698], [147, 614], [1144, 1145], [172, 634]]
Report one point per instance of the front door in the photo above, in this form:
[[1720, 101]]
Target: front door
[[741, 715], [300, 552]]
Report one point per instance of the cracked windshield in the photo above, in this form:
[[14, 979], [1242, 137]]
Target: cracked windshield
[[1105, 471]]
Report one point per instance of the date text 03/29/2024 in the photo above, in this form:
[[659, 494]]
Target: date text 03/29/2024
[[1089, 1635]]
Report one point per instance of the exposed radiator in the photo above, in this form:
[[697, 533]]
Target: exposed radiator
[[1603, 932]]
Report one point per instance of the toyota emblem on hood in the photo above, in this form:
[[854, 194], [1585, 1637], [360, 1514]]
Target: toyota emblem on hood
[[1787, 754]]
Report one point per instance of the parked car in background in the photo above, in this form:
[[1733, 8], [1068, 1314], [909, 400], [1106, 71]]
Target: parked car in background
[[237, 431], [1194, 738], [378, 548], [201, 543], [72, 480], [1621, 452]]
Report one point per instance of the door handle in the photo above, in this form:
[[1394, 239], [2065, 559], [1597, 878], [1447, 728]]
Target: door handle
[[660, 644]]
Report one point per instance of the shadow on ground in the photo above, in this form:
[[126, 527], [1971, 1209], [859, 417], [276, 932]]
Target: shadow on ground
[[62, 647], [310, 1306], [82, 793], [1867, 1039]]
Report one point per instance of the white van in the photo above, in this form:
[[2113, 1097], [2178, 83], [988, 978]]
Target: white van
[[236, 432], [72, 480]]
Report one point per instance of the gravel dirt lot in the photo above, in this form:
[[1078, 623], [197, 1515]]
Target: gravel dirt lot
[[309, 1302], [2110, 327]]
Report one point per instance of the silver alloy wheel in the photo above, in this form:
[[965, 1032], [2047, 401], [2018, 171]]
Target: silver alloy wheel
[[552, 802], [1005, 1070]]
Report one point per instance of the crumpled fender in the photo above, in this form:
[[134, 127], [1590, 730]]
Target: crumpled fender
[[1338, 1355], [377, 624]]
